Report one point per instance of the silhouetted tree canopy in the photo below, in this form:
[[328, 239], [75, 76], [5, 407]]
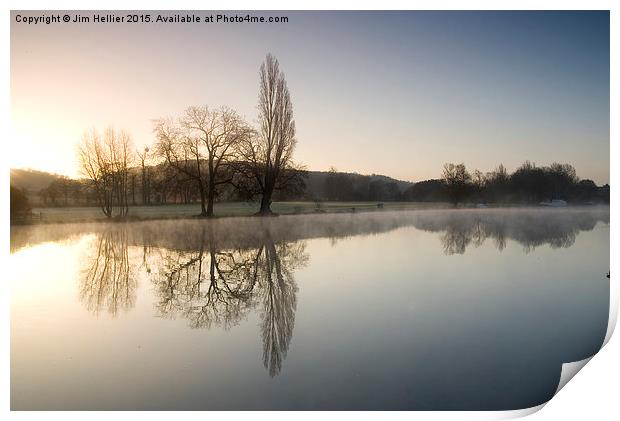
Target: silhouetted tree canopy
[[529, 184], [458, 182], [20, 206], [158, 183]]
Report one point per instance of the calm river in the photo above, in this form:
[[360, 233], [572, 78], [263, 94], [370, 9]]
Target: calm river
[[418, 310]]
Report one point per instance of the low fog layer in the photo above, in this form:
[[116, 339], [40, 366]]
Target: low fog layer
[[460, 228]]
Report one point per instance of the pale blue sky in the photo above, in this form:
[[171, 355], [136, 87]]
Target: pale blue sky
[[397, 93]]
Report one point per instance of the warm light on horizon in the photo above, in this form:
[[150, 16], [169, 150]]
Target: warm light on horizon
[[392, 93]]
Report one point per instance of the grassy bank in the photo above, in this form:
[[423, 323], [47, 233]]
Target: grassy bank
[[87, 214]]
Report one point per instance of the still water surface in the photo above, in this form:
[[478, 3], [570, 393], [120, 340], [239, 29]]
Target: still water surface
[[423, 310]]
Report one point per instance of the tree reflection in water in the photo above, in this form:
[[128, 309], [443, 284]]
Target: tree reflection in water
[[214, 274], [211, 287], [108, 281], [278, 292], [459, 230]]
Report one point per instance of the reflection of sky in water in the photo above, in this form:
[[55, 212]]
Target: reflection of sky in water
[[420, 310]]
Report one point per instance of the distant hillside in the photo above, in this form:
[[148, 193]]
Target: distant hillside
[[521, 187], [355, 184], [31, 181]]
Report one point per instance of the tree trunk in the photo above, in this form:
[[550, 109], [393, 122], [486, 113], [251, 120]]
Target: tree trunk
[[210, 199], [265, 203], [133, 190], [211, 188], [203, 210]]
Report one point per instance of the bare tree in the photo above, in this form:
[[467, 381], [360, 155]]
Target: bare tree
[[105, 161], [268, 156], [457, 181], [144, 157], [479, 182], [183, 153], [220, 131], [201, 145]]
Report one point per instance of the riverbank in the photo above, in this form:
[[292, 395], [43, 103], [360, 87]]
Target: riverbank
[[228, 209]]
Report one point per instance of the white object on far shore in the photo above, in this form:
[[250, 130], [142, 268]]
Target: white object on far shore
[[555, 203]]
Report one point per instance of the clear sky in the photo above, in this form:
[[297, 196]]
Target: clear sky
[[395, 93]]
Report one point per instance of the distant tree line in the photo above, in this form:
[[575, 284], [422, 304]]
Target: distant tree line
[[154, 182], [527, 185], [20, 206], [339, 186]]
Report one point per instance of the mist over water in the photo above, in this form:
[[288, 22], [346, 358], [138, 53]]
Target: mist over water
[[530, 227], [434, 309]]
